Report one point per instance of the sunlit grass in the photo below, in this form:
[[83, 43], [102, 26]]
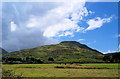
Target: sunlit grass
[[108, 65], [49, 70]]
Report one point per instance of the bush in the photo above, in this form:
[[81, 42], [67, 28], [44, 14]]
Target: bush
[[11, 74]]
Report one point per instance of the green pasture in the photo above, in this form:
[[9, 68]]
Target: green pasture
[[108, 65], [49, 70]]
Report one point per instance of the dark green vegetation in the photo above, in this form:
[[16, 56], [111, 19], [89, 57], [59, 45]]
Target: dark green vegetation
[[112, 57], [65, 52], [2, 52]]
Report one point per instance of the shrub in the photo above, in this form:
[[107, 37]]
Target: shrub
[[11, 74]]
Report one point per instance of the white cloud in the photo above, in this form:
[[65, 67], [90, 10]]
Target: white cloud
[[118, 35], [67, 34], [57, 21], [97, 23], [33, 24], [64, 25], [13, 26], [80, 39], [18, 31]]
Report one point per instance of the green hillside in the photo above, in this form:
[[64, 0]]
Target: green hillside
[[64, 52], [2, 51]]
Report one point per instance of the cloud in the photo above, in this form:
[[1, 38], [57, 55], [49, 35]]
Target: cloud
[[23, 39], [16, 34], [66, 34], [97, 22], [118, 35], [13, 26], [60, 29], [57, 21], [34, 24], [80, 39]]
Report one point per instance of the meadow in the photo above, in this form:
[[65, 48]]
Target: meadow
[[64, 70]]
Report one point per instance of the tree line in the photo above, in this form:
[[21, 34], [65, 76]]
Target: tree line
[[108, 58]]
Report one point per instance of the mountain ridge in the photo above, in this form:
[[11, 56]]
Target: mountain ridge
[[66, 51], [83, 45], [3, 51]]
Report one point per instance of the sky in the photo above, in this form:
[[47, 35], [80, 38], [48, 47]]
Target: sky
[[32, 24]]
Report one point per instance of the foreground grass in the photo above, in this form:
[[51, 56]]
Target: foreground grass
[[48, 70]]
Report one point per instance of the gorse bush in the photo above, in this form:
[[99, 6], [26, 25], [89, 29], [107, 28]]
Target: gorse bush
[[11, 74]]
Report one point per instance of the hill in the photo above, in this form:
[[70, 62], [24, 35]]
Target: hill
[[112, 57], [64, 52], [2, 51]]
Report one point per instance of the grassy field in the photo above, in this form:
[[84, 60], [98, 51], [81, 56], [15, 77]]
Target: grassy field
[[110, 65], [49, 70]]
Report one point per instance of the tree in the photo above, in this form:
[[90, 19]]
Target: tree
[[50, 59]]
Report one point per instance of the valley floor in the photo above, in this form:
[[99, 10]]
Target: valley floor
[[68, 70]]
